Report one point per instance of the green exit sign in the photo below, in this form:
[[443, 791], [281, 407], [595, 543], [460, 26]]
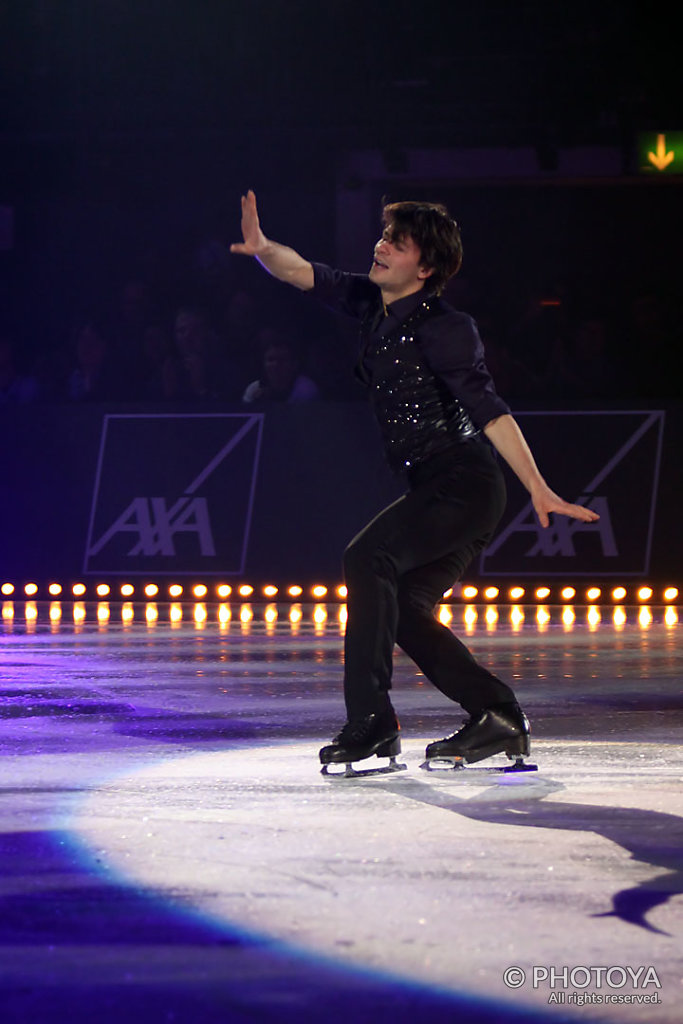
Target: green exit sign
[[660, 153]]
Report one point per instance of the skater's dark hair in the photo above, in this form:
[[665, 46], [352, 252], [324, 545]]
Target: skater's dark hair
[[434, 232]]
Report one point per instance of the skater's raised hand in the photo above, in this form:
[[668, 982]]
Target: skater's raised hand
[[279, 260], [255, 241], [545, 501]]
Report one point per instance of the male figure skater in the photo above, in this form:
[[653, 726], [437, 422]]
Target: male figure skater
[[423, 364]]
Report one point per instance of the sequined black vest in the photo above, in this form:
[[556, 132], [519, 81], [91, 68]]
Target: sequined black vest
[[417, 414]]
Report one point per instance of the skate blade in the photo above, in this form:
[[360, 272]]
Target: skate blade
[[457, 764], [363, 773]]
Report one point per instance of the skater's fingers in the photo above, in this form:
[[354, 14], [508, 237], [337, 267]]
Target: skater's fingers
[[564, 508], [586, 514], [542, 506]]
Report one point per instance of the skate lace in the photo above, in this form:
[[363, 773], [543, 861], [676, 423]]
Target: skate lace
[[355, 732], [467, 726], [463, 730]]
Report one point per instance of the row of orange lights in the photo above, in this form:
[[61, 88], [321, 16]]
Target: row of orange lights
[[175, 590], [245, 591], [319, 614], [591, 594]]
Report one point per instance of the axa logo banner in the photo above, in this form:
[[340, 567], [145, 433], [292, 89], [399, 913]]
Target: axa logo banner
[[608, 461], [173, 494]]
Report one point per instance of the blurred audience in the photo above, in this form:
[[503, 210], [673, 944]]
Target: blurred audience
[[511, 376], [154, 365], [281, 379], [651, 330], [539, 348], [198, 368], [132, 314], [583, 366], [16, 388], [95, 374]]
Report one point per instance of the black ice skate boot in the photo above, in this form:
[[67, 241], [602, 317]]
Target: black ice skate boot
[[501, 728], [361, 738]]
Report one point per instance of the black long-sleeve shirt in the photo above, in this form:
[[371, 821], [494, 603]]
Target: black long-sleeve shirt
[[423, 362]]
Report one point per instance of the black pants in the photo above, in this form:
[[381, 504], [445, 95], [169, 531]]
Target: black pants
[[397, 570]]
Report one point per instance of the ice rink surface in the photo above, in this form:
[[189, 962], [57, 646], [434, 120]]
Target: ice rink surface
[[171, 852]]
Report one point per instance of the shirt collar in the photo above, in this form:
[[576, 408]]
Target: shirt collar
[[402, 308]]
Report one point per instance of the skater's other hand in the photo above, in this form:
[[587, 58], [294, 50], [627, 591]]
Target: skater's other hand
[[545, 501]]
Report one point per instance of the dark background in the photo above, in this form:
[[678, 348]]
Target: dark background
[[129, 130]]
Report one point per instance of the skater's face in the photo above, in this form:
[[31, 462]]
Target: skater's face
[[397, 266]]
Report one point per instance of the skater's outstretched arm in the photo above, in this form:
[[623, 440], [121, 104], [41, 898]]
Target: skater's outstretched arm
[[279, 260], [505, 435]]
